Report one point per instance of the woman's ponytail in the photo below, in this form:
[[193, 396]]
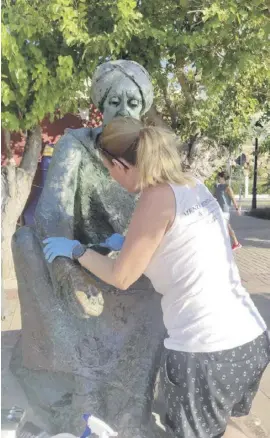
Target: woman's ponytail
[[152, 149], [158, 159]]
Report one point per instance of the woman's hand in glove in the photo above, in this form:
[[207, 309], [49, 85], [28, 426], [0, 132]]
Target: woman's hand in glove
[[58, 247], [114, 242]]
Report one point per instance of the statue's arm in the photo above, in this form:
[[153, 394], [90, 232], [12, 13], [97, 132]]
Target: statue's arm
[[55, 211], [55, 217]]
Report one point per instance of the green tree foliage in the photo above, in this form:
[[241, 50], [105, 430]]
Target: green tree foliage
[[265, 134], [209, 59], [218, 52], [39, 69], [50, 48]]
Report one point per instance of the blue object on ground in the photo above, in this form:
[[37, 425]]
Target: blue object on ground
[[87, 432]]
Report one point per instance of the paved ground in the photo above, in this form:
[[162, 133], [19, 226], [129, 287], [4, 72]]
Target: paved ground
[[246, 204], [254, 258], [254, 263]]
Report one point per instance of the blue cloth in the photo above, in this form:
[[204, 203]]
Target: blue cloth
[[87, 432]]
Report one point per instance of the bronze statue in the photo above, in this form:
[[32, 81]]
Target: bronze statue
[[79, 336]]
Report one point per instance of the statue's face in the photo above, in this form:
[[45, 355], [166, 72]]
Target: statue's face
[[124, 99]]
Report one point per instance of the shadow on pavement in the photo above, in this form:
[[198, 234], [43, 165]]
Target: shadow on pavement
[[253, 242], [251, 232]]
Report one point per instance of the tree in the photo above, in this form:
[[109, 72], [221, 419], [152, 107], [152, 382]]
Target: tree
[[40, 73], [215, 69], [209, 61], [205, 57], [264, 139]]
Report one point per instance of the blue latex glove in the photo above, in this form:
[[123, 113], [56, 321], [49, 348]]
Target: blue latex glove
[[114, 242], [58, 247]]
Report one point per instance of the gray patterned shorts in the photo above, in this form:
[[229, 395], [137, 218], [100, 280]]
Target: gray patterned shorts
[[202, 390]]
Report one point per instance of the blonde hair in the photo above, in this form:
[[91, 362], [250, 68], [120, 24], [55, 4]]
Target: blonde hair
[[152, 149]]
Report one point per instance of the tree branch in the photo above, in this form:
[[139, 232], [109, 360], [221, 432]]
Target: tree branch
[[184, 82], [171, 108]]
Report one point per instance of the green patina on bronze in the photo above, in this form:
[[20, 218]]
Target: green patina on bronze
[[80, 336]]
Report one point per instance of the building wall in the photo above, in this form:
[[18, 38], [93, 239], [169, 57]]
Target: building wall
[[51, 132]]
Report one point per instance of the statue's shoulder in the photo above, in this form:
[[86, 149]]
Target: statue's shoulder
[[74, 138], [79, 132], [85, 137]]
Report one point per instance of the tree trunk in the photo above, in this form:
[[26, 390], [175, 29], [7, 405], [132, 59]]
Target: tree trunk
[[16, 184], [8, 148], [171, 109]]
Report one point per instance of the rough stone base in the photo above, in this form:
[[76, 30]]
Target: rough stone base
[[56, 406]]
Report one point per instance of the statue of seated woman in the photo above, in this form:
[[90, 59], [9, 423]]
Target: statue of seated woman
[[74, 325]]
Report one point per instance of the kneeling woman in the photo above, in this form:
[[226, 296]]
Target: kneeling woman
[[217, 347]]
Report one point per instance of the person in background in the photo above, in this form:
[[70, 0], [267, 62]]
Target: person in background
[[217, 346], [225, 196]]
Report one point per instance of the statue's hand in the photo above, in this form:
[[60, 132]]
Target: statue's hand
[[77, 288]]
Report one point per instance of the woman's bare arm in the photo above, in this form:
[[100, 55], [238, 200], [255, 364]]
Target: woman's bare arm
[[153, 216]]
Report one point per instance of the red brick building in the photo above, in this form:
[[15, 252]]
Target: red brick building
[[51, 132]]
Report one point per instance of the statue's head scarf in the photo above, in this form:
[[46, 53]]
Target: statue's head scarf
[[110, 72]]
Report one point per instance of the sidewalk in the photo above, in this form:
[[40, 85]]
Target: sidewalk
[[253, 261]]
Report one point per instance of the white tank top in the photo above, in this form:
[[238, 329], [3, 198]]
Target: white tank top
[[205, 307]]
